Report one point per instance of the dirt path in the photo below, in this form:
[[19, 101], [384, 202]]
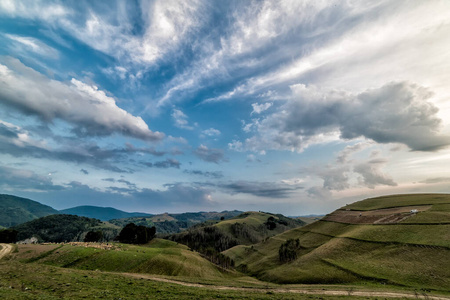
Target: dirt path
[[304, 291], [6, 249]]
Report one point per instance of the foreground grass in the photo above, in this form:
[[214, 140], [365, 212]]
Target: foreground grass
[[35, 281]]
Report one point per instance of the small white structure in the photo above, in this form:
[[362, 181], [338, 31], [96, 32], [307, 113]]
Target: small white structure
[[31, 240], [414, 211]]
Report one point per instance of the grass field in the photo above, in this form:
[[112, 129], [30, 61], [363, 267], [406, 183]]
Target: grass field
[[405, 254], [36, 281], [160, 257], [47, 272]]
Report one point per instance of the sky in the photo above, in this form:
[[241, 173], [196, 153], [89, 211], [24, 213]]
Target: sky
[[292, 107]]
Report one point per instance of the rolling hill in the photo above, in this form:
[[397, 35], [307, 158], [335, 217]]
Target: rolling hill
[[16, 210], [64, 228], [245, 229], [101, 213], [160, 257], [401, 240]]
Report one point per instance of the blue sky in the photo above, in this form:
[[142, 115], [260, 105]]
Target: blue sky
[[294, 107]]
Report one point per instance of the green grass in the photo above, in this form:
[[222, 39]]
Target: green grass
[[159, 257], [19, 280], [408, 255], [36, 281], [399, 200]]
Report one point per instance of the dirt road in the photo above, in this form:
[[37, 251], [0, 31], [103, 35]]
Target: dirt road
[[6, 249], [329, 292]]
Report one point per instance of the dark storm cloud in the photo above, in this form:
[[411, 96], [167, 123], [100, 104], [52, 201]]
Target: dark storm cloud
[[261, 189], [20, 179], [24, 145], [436, 180], [175, 197], [164, 164], [210, 155], [215, 175]]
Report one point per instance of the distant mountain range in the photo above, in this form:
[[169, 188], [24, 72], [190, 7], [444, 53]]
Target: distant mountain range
[[101, 213], [16, 210]]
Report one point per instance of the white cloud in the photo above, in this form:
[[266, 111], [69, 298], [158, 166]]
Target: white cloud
[[180, 119], [384, 115], [372, 175], [33, 9], [259, 108], [211, 132], [88, 109]]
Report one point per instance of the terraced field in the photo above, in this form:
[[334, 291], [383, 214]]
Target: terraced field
[[374, 241]]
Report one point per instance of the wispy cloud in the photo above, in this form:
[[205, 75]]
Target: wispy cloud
[[24, 44]]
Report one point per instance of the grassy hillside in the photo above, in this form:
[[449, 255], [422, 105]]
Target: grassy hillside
[[39, 281], [16, 210], [173, 223], [367, 241], [160, 270], [159, 257], [101, 213], [64, 228], [252, 227]]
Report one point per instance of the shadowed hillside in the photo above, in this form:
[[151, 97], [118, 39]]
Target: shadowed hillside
[[401, 240], [64, 228], [16, 210]]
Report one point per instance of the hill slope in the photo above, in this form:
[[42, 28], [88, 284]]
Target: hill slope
[[101, 213], [246, 229], [159, 257], [64, 228], [16, 210], [377, 240]]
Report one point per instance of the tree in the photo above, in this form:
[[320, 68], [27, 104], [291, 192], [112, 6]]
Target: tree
[[132, 234], [8, 236], [288, 250], [271, 224], [93, 236]]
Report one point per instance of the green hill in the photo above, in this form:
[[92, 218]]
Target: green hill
[[173, 223], [159, 257], [400, 240], [246, 229], [16, 210], [101, 213], [64, 228]]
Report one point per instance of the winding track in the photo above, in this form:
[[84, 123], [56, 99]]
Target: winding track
[[295, 291], [6, 249]]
